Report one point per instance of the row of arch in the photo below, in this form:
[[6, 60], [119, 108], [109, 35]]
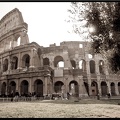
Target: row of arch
[[59, 87], [24, 87], [73, 87], [14, 62], [9, 44], [59, 62]]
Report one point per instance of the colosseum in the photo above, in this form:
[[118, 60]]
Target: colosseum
[[28, 67]]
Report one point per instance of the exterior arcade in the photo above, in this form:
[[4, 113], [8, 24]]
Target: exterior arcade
[[28, 67]]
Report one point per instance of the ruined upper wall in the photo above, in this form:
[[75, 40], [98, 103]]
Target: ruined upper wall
[[10, 21], [13, 31]]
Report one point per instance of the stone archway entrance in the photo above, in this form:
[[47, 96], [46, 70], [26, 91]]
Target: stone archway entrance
[[94, 88], [38, 87], [3, 89], [104, 88], [58, 87], [24, 87], [112, 85], [12, 87], [73, 88]]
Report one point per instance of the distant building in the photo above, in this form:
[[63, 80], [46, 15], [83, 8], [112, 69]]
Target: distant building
[[28, 67]]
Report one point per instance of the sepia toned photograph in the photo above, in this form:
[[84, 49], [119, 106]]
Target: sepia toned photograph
[[59, 59]]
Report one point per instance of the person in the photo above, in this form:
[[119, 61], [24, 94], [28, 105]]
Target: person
[[16, 95], [98, 96], [108, 95], [12, 96], [68, 95]]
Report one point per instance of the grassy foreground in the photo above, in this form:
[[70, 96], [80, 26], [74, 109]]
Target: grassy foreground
[[87, 108]]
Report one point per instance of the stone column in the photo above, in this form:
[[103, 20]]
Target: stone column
[[80, 86], [98, 74], [0, 87], [1, 65], [116, 88], [49, 90], [32, 58], [50, 86], [89, 85], [9, 63], [66, 59], [13, 43], [45, 86], [19, 61], [87, 67], [51, 61], [89, 77], [99, 86], [7, 86], [30, 86], [4, 48], [108, 87], [106, 68], [77, 64], [17, 85], [66, 85], [97, 67]]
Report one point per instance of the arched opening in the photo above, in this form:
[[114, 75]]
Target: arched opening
[[112, 85], [94, 88], [73, 64], [82, 65], [104, 88], [24, 87], [92, 66], [46, 61], [18, 41], [80, 45], [60, 64], [119, 87], [12, 87], [14, 63], [101, 67], [26, 61], [90, 56], [58, 61], [73, 88], [38, 87], [58, 87], [5, 65], [3, 89]]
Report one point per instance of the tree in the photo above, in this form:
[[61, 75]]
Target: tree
[[103, 25]]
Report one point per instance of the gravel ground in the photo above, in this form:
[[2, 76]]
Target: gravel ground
[[51, 109]]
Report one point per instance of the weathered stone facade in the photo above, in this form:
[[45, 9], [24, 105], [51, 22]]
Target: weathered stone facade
[[28, 67]]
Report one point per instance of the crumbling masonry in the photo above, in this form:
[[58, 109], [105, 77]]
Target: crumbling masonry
[[28, 67]]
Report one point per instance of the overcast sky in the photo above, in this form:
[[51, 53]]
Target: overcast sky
[[46, 21]]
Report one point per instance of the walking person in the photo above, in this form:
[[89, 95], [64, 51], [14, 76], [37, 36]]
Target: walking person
[[16, 96], [109, 96], [12, 96], [98, 96]]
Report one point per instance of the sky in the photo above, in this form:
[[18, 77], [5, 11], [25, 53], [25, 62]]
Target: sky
[[46, 21]]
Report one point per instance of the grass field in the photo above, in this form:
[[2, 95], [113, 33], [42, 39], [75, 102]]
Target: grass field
[[87, 108]]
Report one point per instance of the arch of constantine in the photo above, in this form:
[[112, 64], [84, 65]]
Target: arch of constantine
[[28, 67]]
